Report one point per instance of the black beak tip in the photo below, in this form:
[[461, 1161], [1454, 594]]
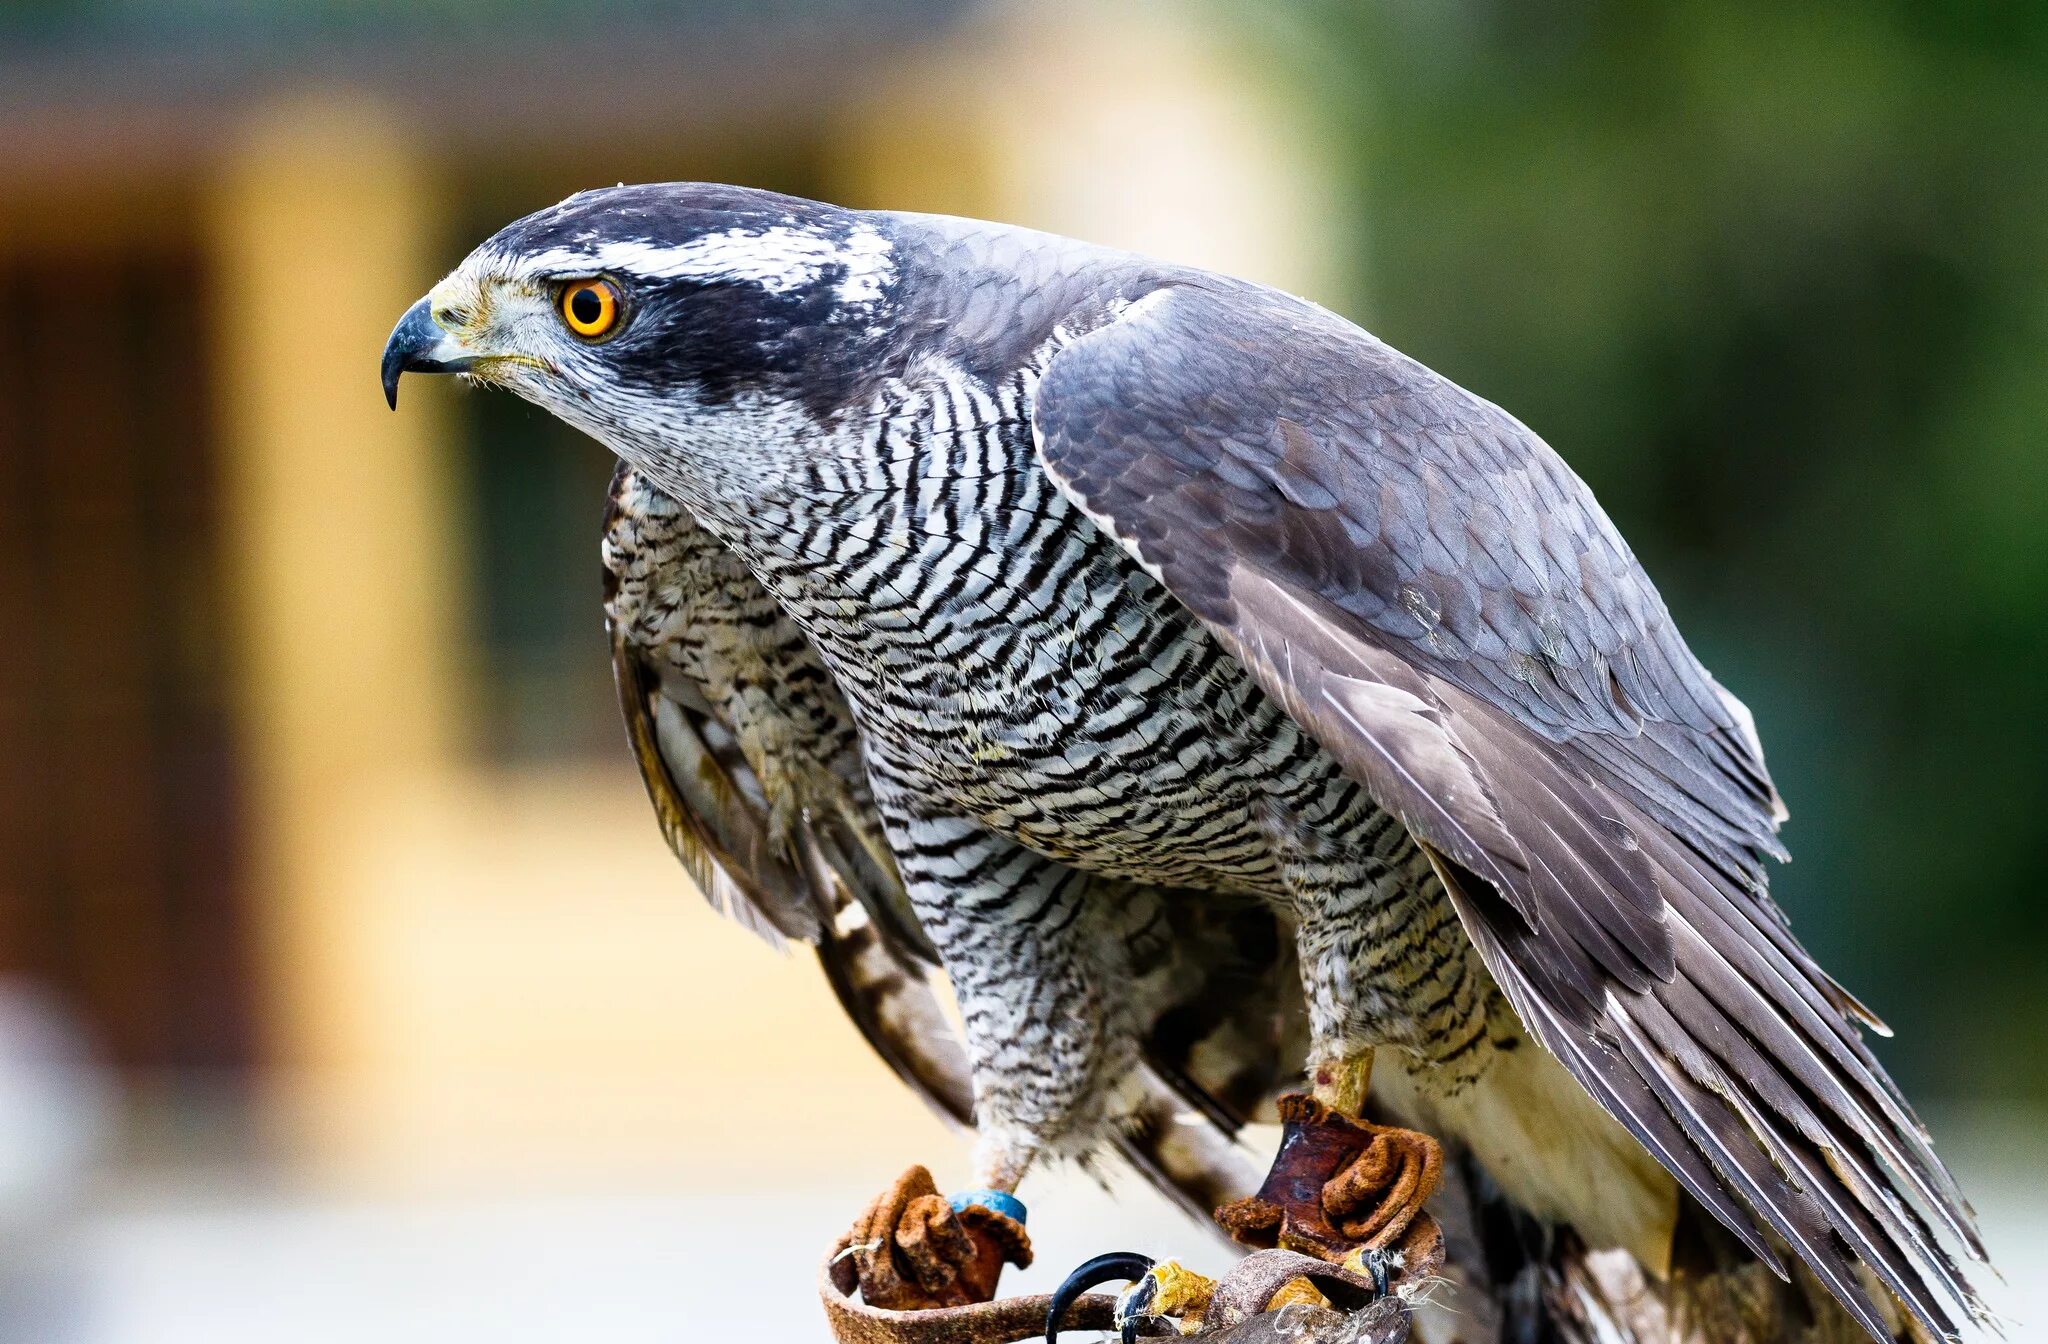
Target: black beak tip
[[406, 351]]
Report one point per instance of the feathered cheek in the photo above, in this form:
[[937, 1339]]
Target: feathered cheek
[[529, 375]]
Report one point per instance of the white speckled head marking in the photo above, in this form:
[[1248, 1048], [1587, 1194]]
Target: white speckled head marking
[[779, 258]]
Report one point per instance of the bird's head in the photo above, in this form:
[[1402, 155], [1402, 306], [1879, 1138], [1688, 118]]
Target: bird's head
[[649, 315]]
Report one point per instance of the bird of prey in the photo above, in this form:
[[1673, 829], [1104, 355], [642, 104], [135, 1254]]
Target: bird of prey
[[1212, 692]]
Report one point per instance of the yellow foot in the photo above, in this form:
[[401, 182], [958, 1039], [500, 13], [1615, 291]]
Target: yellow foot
[[1173, 1292], [1168, 1293]]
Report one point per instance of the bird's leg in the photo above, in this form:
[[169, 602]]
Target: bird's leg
[[1343, 1083], [1375, 1200], [1045, 1044], [914, 1248], [1341, 1188], [1341, 1185]]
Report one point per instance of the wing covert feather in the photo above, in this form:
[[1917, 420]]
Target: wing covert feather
[[1433, 595]]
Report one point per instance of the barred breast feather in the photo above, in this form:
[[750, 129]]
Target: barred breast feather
[[753, 764]]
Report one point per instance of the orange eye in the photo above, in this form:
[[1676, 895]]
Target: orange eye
[[591, 308]]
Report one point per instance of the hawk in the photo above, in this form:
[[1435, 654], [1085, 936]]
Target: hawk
[[1217, 696]]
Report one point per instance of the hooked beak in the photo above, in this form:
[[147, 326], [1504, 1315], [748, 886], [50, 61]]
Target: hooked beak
[[419, 345]]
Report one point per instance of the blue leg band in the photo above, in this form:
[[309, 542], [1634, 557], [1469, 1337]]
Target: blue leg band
[[995, 1201]]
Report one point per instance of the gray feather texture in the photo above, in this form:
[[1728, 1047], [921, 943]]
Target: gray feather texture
[[1207, 688], [1439, 600]]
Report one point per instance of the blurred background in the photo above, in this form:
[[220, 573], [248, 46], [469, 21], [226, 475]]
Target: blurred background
[[346, 989]]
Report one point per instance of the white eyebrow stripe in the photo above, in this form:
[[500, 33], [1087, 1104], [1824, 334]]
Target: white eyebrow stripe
[[870, 266], [778, 258]]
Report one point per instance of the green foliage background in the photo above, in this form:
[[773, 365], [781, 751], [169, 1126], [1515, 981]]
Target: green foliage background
[[1774, 278]]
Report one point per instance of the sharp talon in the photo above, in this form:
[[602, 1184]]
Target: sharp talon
[[1115, 1267], [1372, 1261], [1135, 1304]]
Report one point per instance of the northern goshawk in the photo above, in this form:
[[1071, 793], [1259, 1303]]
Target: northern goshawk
[[1214, 693]]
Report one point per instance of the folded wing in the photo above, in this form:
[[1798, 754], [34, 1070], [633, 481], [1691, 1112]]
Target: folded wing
[[1434, 595]]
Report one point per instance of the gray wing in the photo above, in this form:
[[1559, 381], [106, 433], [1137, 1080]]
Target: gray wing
[[1436, 597], [752, 761]]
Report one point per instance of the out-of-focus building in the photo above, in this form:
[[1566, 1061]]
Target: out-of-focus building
[[311, 799]]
